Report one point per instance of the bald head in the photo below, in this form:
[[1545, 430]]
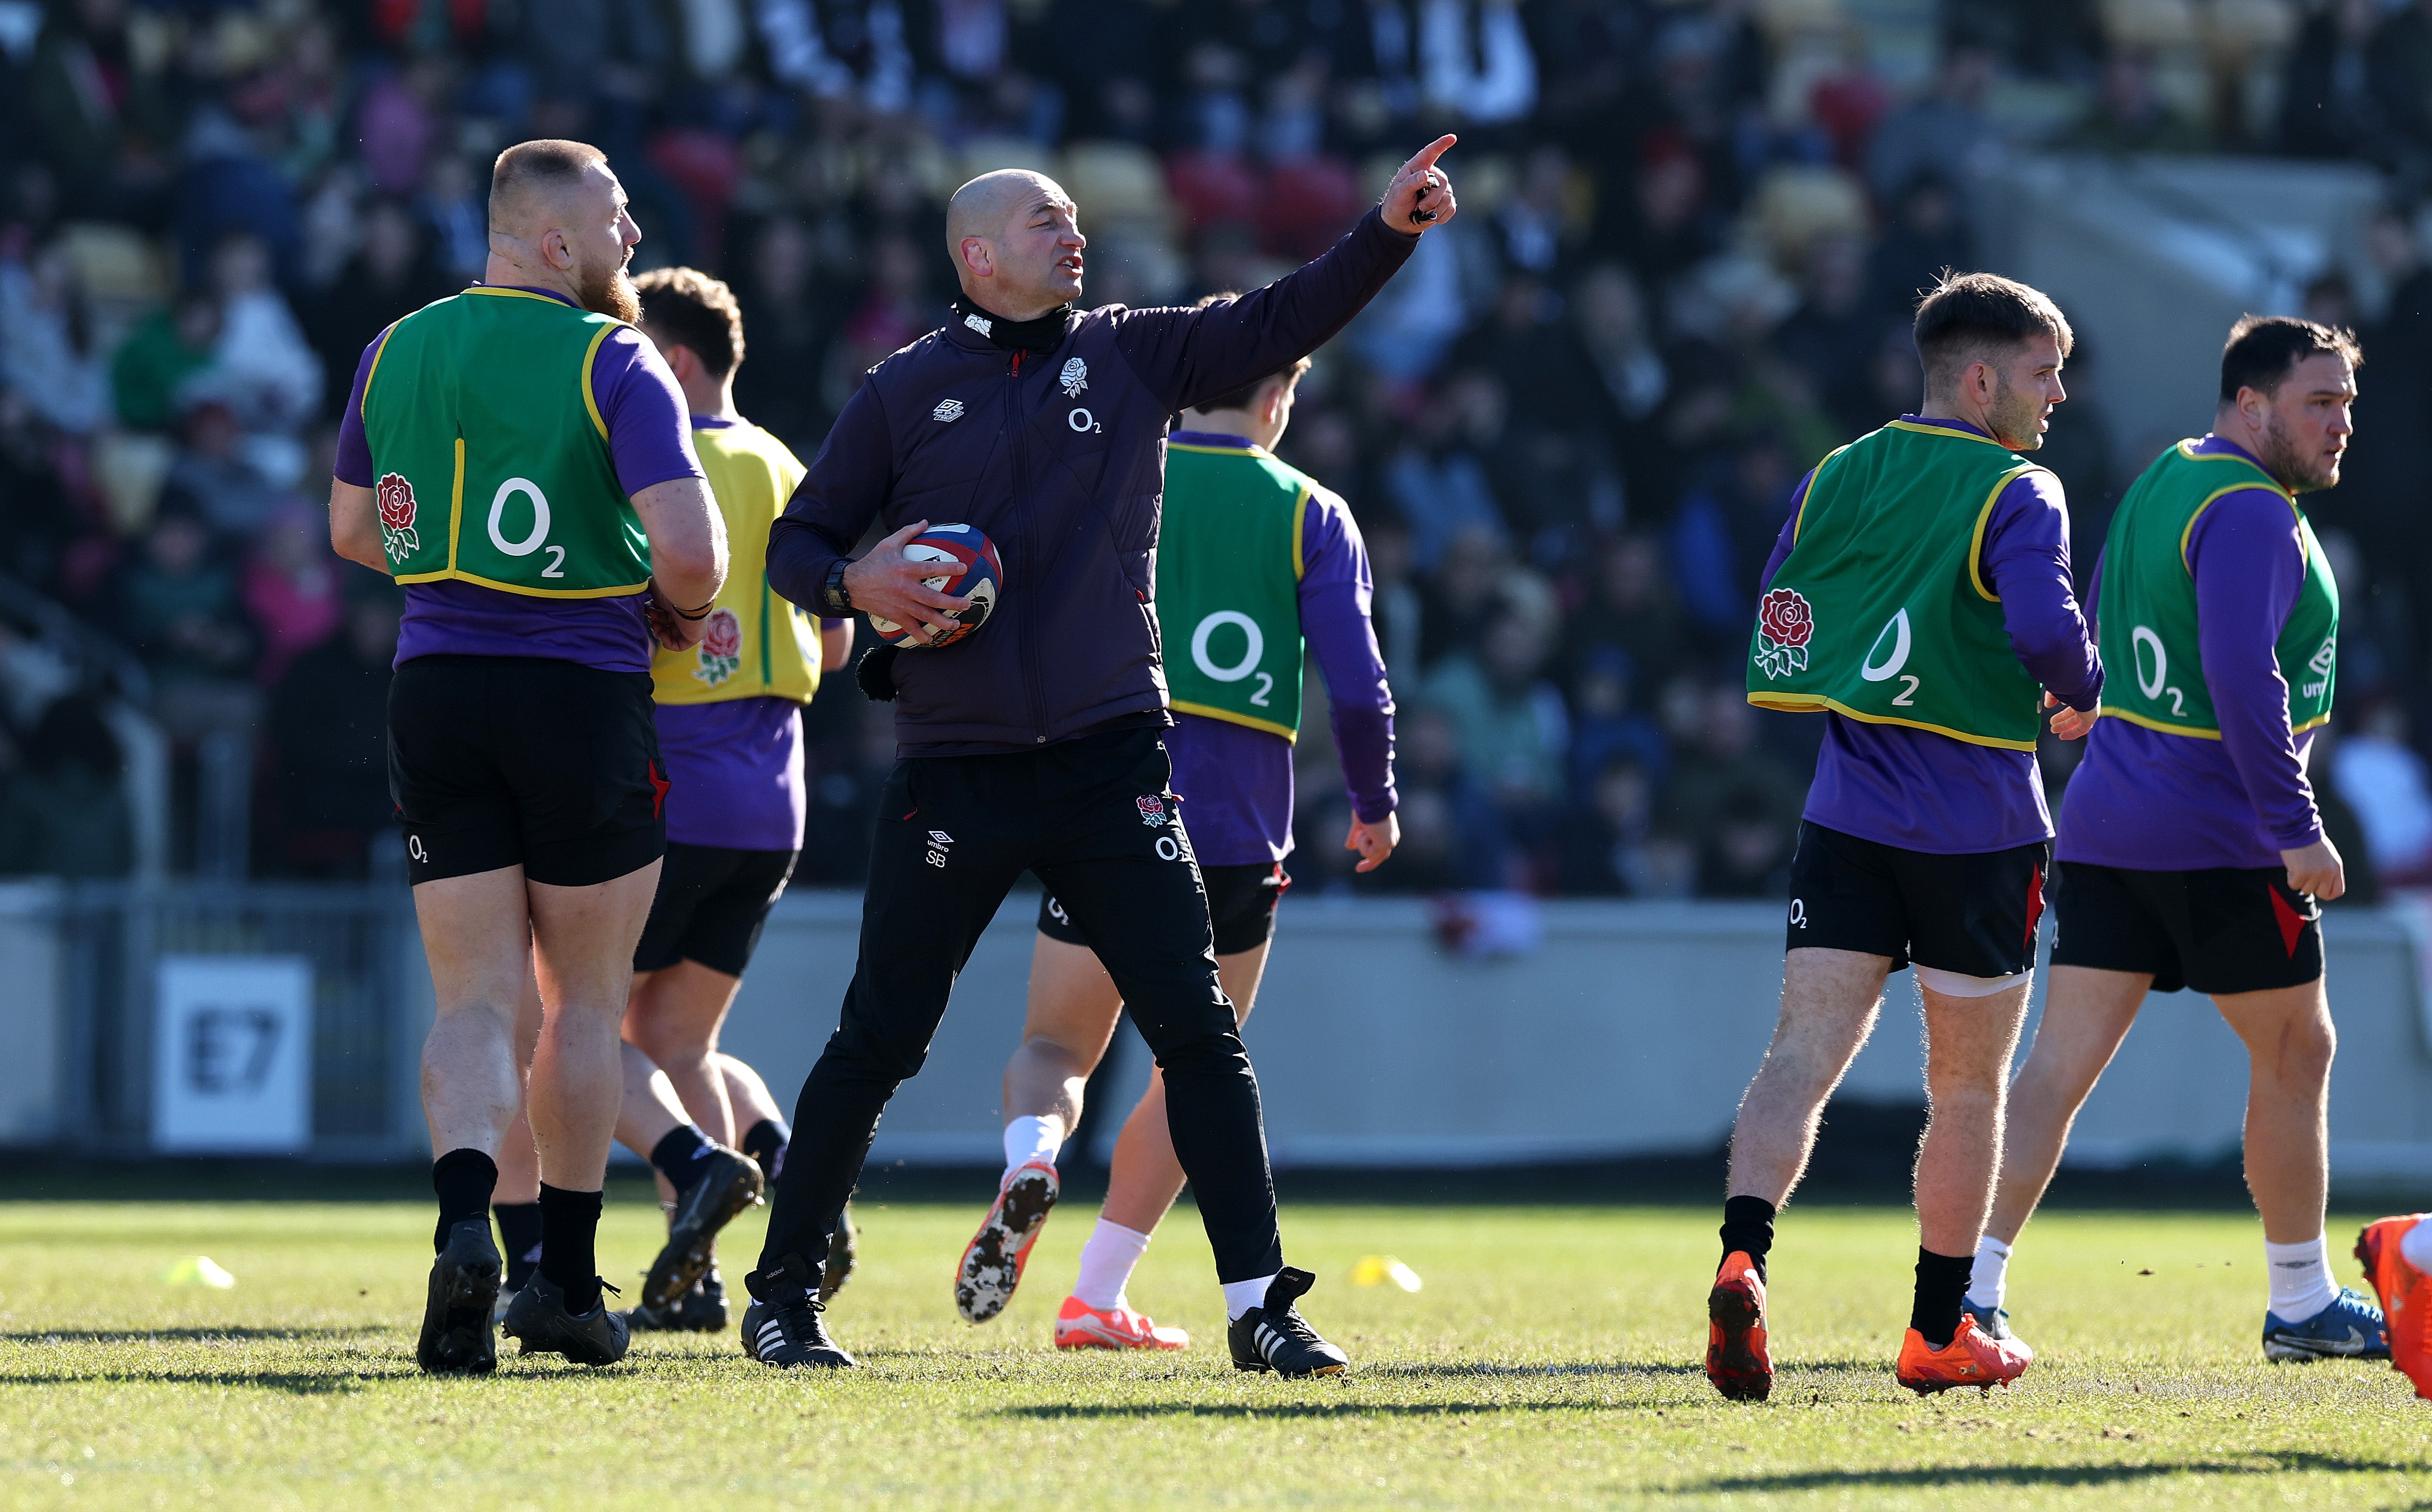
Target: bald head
[[1016, 241]]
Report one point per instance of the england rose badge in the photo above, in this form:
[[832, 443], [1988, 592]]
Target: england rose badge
[[1784, 624]]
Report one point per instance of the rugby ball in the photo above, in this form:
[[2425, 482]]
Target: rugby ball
[[966, 567]]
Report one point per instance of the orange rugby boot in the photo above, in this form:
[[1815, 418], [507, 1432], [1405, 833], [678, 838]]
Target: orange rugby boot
[[1080, 1326], [992, 1262], [1973, 1357], [2405, 1306], [1738, 1360]]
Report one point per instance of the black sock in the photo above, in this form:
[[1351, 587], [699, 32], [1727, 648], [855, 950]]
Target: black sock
[[463, 1180], [678, 1156], [519, 1230], [569, 1229], [1747, 1225], [767, 1144], [1941, 1291]]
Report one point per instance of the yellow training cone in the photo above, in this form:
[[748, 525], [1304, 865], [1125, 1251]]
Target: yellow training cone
[[197, 1270], [1373, 1269]]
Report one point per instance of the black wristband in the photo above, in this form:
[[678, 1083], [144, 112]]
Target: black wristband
[[838, 597], [703, 614]]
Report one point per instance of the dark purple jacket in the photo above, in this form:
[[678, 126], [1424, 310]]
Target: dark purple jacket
[[1060, 459]]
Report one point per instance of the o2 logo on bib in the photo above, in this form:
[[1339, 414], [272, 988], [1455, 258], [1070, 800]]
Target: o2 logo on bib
[[1254, 651], [1896, 632], [536, 538]]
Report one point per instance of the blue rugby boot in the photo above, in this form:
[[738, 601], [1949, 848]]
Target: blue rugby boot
[[1993, 1322], [2351, 1328]]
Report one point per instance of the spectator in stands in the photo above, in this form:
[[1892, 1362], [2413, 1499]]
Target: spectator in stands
[[1944, 130], [2384, 780], [327, 728], [178, 610], [1438, 476], [292, 588], [2130, 114], [217, 476], [1606, 727], [49, 348], [391, 275], [63, 813], [164, 359], [1509, 720], [261, 366]]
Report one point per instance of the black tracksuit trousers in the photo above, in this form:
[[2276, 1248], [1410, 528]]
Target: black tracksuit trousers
[[1095, 818]]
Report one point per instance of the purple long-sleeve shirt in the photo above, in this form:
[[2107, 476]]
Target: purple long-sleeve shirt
[[1236, 782], [1920, 791], [651, 439], [2149, 801]]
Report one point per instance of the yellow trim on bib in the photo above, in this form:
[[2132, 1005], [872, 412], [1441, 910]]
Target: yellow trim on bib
[[455, 506], [1930, 429], [1984, 518], [2191, 732], [1291, 736], [364, 411], [1818, 703], [1300, 518], [450, 574], [2270, 484], [1814, 475], [591, 356], [1221, 452], [524, 294]]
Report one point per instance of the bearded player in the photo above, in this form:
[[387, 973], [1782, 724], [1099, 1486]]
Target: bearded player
[[1257, 566], [2190, 853], [1919, 598], [516, 455]]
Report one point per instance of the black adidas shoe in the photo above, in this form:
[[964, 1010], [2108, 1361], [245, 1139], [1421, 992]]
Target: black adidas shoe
[[841, 1255], [456, 1317], [1275, 1337], [790, 1332], [540, 1322], [702, 1310], [729, 1184]]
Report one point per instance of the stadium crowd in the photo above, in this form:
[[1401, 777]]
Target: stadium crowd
[[1569, 430]]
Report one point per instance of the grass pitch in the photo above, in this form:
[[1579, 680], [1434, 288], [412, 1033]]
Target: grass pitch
[[1552, 1358]]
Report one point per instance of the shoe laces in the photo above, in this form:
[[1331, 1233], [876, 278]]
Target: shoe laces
[[1289, 1325], [798, 1320]]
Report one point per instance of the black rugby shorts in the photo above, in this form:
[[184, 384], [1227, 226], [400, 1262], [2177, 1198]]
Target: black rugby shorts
[[2218, 930], [1974, 914], [1241, 903], [504, 761], [712, 904]]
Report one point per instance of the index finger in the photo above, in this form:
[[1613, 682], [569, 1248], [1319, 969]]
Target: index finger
[[1426, 157], [906, 533]]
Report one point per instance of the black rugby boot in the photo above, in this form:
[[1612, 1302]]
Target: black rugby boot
[[456, 1316], [731, 1183], [539, 1319], [702, 1310], [1275, 1337], [841, 1255], [790, 1332]]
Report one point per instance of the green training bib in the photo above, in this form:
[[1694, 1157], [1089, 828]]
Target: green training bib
[[1880, 611], [2146, 613], [491, 455], [1229, 585]]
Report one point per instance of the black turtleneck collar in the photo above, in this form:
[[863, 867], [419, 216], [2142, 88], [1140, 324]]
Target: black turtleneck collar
[[1039, 335]]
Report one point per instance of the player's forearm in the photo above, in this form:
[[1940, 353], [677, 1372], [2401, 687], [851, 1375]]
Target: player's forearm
[[1364, 739], [2027, 559], [687, 540], [354, 525], [1216, 351]]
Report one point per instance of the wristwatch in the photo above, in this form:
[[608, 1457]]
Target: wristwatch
[[838, 597]]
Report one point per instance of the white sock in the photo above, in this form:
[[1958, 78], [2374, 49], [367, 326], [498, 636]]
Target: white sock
[[1027, 1140], [1990, 1279], [2416, 1246], [1107, 1264], [1240, 1296], [2301, 1278]]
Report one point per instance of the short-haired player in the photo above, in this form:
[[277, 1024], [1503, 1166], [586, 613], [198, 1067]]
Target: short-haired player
[[1919, 598], [1258, 566], [517, 456], [2191, 854]]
